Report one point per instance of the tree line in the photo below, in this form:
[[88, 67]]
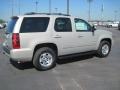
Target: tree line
[[2, 21]]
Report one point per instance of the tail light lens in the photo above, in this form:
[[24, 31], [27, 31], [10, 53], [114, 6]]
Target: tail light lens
[[15, 41]]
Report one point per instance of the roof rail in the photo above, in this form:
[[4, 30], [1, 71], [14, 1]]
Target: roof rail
[[34, 13]]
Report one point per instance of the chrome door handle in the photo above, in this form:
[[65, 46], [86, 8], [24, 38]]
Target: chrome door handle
[[57, 36]]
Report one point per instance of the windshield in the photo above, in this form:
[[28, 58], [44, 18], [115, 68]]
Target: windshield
[[11, 25]]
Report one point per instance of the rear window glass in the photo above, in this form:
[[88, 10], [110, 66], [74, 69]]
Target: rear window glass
[[11, 25], [63, 25], [34, 24]]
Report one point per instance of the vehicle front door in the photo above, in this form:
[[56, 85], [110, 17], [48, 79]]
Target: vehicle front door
[[85, 38]]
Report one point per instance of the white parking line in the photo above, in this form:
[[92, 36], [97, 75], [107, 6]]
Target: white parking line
[[55, 72], [58, 80], [61, 85], [78, 85], [64, 83]]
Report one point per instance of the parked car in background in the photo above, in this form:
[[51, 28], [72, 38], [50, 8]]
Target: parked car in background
[[1, 26], [119, 26], [95, 24], [4, 25], [112, 24]]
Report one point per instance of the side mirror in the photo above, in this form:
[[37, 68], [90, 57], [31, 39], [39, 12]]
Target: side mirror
[[93, 28]]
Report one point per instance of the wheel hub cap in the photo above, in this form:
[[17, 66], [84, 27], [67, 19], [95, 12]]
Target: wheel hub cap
[[46, 59], [105, 49]]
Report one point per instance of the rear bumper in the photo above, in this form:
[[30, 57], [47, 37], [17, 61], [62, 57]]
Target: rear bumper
[[18, 54]]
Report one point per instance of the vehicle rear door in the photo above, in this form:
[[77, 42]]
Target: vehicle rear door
[[63, 35]]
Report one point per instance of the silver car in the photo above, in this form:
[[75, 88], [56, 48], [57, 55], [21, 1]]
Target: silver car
[[42, 38]]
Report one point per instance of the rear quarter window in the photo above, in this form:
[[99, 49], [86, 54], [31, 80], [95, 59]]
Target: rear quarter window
[[11, 24], [34, 24]]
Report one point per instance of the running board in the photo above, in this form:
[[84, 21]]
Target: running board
[[77, 54]]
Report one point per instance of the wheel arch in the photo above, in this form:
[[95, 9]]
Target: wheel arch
[[103, 42], [104, 39], [50, 45]]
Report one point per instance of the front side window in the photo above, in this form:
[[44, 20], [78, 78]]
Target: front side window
[[63, 25], [34, 24], [81, 25]]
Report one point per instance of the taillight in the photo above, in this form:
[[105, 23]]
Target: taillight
[[15, 41]]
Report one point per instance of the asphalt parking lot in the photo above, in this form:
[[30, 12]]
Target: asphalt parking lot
[[79, 73]]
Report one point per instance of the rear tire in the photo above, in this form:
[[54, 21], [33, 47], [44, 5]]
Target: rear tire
[[104, 49], [44, 59]]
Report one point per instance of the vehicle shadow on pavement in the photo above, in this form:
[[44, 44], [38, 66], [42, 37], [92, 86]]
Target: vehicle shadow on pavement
[[74, 59], [29, 65], [22, 66]]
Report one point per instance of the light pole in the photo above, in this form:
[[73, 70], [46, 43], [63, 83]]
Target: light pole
[[68, 6], [102, 10], [12, 7], [49, 6], [56, 10], [89, 11], [36, 3], [89, 17], [19, 6], [115, 15]]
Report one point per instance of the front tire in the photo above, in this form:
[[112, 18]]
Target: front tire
[[104, 49], [44, 59]]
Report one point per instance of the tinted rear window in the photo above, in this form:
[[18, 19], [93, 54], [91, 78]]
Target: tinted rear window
[[11, 25], [34, 24]]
